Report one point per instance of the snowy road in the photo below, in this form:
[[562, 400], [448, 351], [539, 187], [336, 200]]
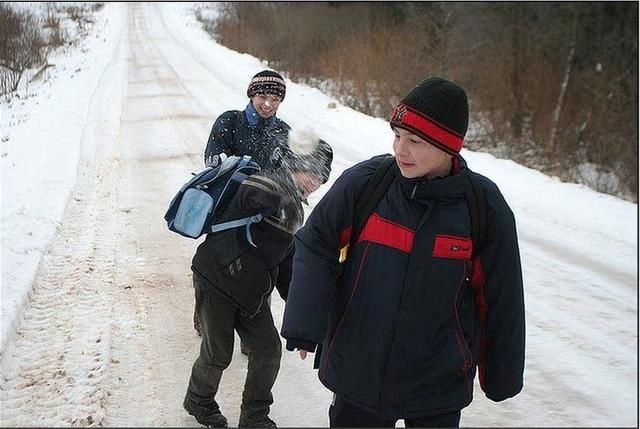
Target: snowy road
[[107, 337]]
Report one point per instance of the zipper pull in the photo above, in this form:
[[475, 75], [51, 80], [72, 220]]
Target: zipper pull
[[413, 192]]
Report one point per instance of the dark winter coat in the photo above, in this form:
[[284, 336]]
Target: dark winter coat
[[247, 133], [412, 315], [226, 260]]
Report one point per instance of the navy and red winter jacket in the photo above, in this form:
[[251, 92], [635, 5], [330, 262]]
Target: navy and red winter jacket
[[408, 318]]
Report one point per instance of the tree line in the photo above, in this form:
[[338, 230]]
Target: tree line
[[30, 33], [552, 85]]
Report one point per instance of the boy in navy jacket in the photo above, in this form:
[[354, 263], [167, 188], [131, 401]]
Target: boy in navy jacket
[[408, 317]]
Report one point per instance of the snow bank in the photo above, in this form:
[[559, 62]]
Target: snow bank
[[40, 153]]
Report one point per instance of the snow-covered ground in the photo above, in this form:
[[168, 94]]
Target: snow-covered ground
[[96, 293], [42, 131]]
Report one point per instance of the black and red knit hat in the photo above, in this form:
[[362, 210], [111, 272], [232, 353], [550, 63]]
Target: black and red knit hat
[[267, 82], [436, 110]]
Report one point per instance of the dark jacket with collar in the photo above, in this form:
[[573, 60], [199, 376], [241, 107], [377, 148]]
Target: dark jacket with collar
[[245, 132], [408, 318], [227, 262]]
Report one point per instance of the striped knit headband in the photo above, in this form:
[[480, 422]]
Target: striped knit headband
[[267, 82]]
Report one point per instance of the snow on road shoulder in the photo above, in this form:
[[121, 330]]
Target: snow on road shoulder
[[571, 216], [40, 158]]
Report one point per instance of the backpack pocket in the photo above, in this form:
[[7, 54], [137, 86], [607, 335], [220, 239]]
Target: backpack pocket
[[192, 213]]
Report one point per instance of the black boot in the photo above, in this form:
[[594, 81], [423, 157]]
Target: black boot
[[212, 418], [259, 421]]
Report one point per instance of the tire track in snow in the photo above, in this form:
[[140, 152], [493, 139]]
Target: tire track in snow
[[59, 358]]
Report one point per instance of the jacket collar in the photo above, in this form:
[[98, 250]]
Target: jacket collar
[[255, 120], [452, 186]]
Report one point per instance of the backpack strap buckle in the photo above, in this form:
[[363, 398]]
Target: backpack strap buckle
[[246, 222]]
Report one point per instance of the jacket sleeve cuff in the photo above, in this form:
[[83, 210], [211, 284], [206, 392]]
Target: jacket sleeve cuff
[[499, 395], [296, 343]]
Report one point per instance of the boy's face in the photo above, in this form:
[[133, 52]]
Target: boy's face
[[306, 181], [266, 104], [418, 158]]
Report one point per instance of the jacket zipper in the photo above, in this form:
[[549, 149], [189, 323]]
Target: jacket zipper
[[465, 350]]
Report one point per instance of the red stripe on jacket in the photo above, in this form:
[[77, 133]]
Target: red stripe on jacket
[[382, 231], [449, 246]]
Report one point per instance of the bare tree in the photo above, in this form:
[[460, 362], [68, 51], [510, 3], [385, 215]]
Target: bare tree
[[21, 46]]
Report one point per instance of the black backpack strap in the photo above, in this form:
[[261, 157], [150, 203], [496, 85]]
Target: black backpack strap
[[477, 203], [367, 201]]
